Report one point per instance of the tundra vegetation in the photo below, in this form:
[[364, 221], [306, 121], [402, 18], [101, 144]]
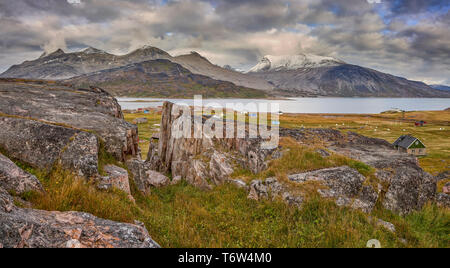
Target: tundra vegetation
[[184, 216]]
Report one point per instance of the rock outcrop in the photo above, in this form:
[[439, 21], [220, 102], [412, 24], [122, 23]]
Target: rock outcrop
[[44, 145], [74, 110], [29, 228], [399, 184], [405, 186], [203, 159], [14, 179], [344, 184]]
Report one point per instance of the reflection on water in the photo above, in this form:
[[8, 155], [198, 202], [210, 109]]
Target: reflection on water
[[312, 105]]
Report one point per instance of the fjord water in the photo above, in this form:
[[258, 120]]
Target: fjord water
[[312, 105]]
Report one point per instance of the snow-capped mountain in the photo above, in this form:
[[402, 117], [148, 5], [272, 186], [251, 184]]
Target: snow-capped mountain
[[294, 62], [92, 50], [307, 74]]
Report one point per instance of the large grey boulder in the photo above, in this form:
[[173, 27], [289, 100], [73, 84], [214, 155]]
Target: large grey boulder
[[13, 178], [43, 145], [346, 185], [409, 190], [89, 110], [30, 228]]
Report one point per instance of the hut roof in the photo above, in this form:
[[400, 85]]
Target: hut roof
[[405, 141]]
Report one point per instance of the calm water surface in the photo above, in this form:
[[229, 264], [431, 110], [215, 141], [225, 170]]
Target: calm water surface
[[312, 105]]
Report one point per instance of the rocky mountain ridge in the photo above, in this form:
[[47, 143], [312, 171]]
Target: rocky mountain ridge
[[294, 62], [161, 78], [288, 76], [345, 80], [61, 65]]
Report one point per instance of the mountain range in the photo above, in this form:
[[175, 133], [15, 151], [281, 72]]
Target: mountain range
[[142, 73], [441, 87], [161, 78]]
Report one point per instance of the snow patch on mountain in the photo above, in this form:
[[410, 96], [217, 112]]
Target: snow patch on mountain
[[91, 50], [294, 62]]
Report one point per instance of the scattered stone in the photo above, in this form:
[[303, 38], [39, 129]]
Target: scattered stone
[[271, 187], [176, 180], [12, 178], [144, 177], [292, 200], [239, 184], [140, 121], [389, 226], [323, 153], [157, 179], [443, 200], [446, 188], [258, 191], [116, 177]]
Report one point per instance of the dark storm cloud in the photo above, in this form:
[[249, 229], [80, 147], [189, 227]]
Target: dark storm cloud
[[406, 37]]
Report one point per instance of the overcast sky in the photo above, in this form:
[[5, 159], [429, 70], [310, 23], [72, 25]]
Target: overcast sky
[[409, 38]]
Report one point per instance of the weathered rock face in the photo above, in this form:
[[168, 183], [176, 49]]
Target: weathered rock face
[[144, 177], [409, 190], [407, 186], [43, 145], [12, 178], [6, 201], [220, 168], [29, 228], [344, 184], [92, 110], [186, 156]]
